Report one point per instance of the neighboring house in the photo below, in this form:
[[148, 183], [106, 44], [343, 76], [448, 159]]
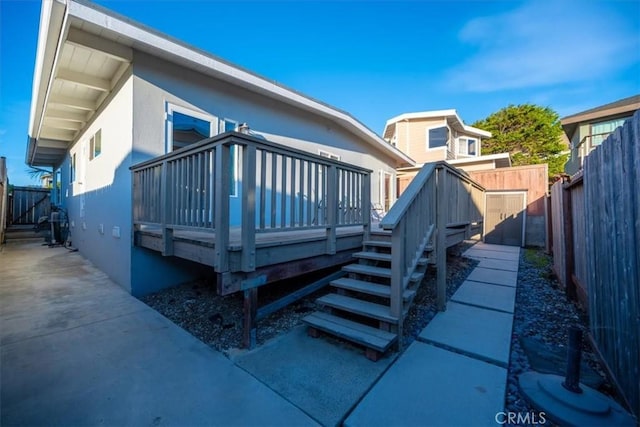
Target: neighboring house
[[109, 93], [588, 129], [431, 136]]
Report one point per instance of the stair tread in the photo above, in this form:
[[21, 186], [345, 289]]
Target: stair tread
[[376, 256], [368, 269], [379, 243], [368, 287], [356, 306], [366, 335]]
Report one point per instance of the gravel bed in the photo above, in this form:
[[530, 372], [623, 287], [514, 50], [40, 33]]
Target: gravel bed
[[543, 313], [217, 320]]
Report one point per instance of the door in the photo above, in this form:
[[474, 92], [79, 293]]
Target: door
[[504, 220], [385, 190]]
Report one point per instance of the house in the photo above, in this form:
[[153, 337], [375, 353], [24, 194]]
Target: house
[[109, 93], [431, 136], [588, 129]]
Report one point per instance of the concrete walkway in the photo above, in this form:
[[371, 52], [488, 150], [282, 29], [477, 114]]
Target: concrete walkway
[[76, 349], [455, 373]]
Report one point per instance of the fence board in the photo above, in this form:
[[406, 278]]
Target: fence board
[[557, 218], [611, 256]]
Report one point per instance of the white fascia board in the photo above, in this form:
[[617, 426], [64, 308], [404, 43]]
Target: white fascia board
[[159, 45], [52, 21], [477, 132], [422, 115], [479, 159]]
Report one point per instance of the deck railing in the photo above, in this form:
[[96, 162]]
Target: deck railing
[[239, 181], [438, 197]]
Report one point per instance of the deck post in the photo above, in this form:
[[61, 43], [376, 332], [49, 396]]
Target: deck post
[[222, 153], [248, 239], [398, 262], [332, 208], [249, 333], [441, 237], [366, 204], [165, 212]]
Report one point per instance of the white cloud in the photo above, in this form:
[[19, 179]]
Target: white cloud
[[544, 43]]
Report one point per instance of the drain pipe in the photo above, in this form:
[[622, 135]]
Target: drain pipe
[[574, 353]]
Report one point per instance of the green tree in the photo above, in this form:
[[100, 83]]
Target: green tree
[[531, 134]]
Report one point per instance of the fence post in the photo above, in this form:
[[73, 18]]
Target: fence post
[[248, 239], [567, 216], [441, 237], [332, 208], [222, 153], [165, 210]]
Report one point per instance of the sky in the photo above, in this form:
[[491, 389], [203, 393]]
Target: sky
[[375, 59]]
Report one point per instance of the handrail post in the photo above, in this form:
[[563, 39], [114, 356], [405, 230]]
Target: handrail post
[[248, 239], [332, 208], [397, 276], [165, 210], [441, 237], [366, 205], [222, 153]]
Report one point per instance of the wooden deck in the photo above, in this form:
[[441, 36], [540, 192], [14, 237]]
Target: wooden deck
[[279, 254]]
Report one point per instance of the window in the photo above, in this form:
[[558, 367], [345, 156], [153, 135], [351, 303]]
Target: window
[[328, 155], [437, 137], [600, 131], [228, 125], [95, 145], [467, 146], [188, 128], [72, 168]]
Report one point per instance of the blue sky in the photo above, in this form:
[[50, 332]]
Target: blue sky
[[376, 59]]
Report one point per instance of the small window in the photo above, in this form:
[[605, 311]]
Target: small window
[[328, 155], [437, 137], [467, 146], [228, 125], [95, 145], [188, 129], [72, 168]]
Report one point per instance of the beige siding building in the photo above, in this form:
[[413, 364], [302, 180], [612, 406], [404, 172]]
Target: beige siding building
[[432, 136]]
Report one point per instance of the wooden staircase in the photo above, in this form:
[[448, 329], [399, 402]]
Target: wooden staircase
[[359, 309]]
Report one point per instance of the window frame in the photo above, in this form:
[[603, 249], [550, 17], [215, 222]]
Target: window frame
[[427, 139], [464, 141], [92, 144], [171, 108], [72, 168]]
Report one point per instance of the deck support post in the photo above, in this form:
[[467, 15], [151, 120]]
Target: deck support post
[[332, 208], [249, 337], [441, 237], [166, 209]]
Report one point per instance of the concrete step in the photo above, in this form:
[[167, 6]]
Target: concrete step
[[356, 306], [369, 288], [367, 336]]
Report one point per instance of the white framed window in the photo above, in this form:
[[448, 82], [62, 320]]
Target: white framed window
[[186, 126], [95, 145], [437, 137], [467, 146], [72, 168], [328, 155]]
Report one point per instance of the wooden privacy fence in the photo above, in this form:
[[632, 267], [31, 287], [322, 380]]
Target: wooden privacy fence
[[27, 205], [596, 233], [278, 189]]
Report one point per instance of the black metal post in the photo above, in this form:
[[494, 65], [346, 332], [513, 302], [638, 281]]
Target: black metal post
[[572, 379]]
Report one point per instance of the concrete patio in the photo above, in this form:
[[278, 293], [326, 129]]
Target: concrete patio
[[76, 349]]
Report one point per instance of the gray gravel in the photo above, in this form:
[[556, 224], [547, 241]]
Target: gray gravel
[[217, 320], [544, 313]]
